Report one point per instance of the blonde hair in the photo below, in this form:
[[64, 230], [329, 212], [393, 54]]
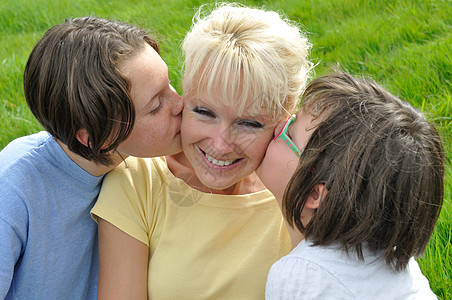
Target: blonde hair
[[245, 54]]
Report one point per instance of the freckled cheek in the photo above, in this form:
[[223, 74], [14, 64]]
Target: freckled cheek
[[153, 127]]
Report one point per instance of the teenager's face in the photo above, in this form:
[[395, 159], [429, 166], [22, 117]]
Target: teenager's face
[[280, 161], [158, 107], [222, 146]]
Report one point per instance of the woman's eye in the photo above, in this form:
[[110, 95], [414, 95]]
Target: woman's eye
[[203, 112], [251, 124]]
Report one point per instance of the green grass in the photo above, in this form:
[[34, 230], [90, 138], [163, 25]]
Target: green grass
[[404, 45]]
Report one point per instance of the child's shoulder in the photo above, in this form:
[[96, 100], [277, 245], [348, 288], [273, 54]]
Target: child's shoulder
[[329, 267], [303, 274], [21, 148]]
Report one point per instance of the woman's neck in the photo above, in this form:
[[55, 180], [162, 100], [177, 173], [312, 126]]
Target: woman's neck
[[179, 165]]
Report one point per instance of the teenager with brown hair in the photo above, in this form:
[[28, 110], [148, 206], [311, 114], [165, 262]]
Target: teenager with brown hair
[[101, 91]]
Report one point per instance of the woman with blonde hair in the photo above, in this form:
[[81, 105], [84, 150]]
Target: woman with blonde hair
[[200, 224]]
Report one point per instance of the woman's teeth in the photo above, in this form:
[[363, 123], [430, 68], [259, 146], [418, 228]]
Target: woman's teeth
[[220, 163]]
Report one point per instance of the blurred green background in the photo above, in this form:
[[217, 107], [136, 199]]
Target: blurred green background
[[403, 45]]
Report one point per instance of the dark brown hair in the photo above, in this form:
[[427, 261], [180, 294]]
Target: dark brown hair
[[382, 163], [72, 82]]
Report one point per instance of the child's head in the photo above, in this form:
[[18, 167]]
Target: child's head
[[254, 59], [381, 163], [74, 81]]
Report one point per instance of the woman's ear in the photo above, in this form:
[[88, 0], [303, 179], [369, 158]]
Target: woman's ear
[[318, 193], [83, 137]]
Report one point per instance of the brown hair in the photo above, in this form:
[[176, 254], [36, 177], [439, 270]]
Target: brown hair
[[382, 163], [72, 82]]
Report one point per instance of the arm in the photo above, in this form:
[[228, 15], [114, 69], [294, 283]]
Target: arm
[[123, 264], [10, 248], [13, 235]]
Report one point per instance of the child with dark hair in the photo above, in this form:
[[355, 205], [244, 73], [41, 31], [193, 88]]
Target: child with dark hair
[[101, 91], [361, 188]]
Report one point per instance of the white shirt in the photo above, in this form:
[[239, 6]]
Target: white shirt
[[319, 272]]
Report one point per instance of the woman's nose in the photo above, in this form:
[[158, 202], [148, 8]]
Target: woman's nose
[[222, 143]]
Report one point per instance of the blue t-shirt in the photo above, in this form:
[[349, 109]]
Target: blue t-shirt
[[48, 244]]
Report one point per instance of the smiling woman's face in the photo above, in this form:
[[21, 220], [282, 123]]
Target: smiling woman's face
[[222, 146]]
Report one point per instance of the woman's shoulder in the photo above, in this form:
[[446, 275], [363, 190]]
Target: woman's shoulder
[[139, 166], [131, 163], [139, 174]]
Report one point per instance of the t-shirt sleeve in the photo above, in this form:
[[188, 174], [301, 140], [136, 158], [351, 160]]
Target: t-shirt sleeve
[[13, 233], [125, 199], [295, 278], [10, 249]]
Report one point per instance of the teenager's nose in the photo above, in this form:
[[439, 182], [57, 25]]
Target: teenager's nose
[[279, 128], [177, 101]]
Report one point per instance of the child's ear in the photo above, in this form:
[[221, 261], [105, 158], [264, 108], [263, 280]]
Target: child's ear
[[318, 192], [83, 137]]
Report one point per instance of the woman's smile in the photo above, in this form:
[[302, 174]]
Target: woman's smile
[[222, 145]]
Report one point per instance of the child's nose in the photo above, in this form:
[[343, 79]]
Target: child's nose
[[178, 103], [278, 129]]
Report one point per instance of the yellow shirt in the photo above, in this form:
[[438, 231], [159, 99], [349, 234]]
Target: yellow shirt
[[202, 245]]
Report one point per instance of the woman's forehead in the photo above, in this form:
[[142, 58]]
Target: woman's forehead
[[250, 92]]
